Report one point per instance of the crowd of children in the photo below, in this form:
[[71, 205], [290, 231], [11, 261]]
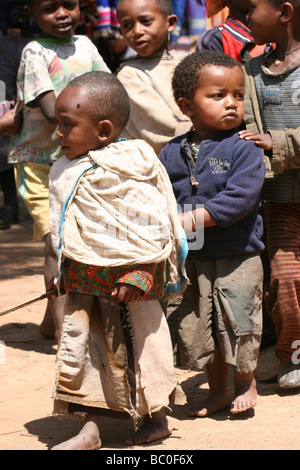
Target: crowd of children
[[146, 186]]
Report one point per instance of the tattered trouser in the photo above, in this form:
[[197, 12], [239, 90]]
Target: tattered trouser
[[114, 358]]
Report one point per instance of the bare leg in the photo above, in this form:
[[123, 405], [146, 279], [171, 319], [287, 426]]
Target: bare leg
[[217, 400], [245, 392], [87, 439], [154, 427], [47, 327], [55, 306]]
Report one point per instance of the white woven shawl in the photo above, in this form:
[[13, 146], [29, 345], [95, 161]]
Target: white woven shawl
[[116, 206]]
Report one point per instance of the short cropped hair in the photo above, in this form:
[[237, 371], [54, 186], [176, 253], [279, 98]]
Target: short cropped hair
[[277, 3], [108, 97], [164, 6], [187, 73]]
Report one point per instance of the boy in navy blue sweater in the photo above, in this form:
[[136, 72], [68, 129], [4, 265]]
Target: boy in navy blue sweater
[[217, 180]]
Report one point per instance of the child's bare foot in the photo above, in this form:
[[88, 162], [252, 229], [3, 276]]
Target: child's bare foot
[[87, 439], [154, 427], [245, 393], [216, 401]]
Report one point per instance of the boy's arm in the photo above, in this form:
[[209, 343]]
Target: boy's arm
[[283, 147], [10, 122], [134, 284], [285, 143], [46, 101], [286, 149], [126, 293], [243, 187], [196, 219]]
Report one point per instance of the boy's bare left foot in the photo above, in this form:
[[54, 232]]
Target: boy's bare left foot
[[154, 427], [87, 439], [245, 394], [215, 402]]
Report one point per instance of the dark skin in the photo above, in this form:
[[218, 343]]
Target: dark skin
[[74, 137], [286, 35], [73, 106], [56, 19], [10, 122], [48, 15], [239, 9]]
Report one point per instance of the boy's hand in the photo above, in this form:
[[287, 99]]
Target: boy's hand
[[10, 122], [126, 293], [186, 221], [262, 140], [52, 287]]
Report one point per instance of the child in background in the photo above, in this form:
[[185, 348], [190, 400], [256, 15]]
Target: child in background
[[217, 178], [154, 115], [115, 228], [13, 39], [233, 36], [272, 118], [47, 64]]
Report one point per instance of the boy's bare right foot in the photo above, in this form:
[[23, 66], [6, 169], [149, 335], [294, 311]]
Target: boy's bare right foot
[[216, 401], [153, 428], [87, 439]]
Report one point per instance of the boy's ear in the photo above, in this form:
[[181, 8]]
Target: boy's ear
[[185, 106], [29, 12], [105, 130], [287, 11], [172, 20]]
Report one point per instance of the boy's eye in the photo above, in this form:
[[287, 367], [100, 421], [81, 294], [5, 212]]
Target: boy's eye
[[48, 8], [147, 21], [126, 25], [70, 5], [51, 7]]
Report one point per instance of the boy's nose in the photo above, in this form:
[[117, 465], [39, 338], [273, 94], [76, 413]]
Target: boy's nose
[[230, 101], [137, 30], [61, 11]]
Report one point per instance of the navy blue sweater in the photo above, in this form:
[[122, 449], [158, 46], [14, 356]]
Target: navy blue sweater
[[227, 180]]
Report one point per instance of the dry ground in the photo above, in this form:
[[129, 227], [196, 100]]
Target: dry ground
[[27, 367]]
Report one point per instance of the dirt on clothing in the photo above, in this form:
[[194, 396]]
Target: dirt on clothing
[[27, 365]]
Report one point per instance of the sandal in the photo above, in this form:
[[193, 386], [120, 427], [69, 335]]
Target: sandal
[[289, 375]]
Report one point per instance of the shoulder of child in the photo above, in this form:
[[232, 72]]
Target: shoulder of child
[[232, 141], [144, 63]]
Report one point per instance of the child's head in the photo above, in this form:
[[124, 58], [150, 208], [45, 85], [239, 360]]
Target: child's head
[[91, 112], [214, 6], [208, 87], [56, 18], [146, 24], [268, 19]]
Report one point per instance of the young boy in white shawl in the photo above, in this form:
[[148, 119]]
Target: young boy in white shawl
[[120, 247]]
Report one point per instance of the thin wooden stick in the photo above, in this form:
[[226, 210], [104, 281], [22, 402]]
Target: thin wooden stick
[[24, 304]]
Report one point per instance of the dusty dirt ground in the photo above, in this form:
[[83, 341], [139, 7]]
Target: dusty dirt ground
[[27, 363]]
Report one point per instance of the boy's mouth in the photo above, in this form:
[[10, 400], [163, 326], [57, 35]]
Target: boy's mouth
[[230, 116], [63, 26], [140, 44]]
